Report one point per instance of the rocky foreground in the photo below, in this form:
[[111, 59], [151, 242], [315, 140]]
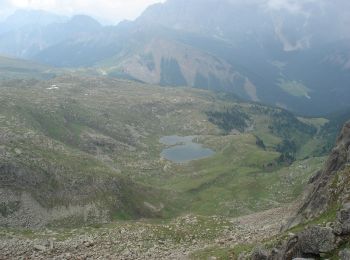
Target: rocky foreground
[[178, 239], [323, 219]]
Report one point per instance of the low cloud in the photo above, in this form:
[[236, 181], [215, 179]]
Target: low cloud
[[112, 10], [5, 8], [295, 6], [116, 10], [292, 6]]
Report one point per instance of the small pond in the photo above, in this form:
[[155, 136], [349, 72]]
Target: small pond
[[182, 149]]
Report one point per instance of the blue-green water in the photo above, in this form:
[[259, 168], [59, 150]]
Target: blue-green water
[[183, 149]]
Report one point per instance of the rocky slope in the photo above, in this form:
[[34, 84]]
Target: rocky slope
[[170, 63], [323, 219], [182, 238], [46, 180], [329, 187]]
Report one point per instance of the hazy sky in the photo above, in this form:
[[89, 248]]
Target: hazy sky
[[110, 10], [113, 11]]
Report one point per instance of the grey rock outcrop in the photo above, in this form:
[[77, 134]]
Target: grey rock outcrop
[[301, 258], [308, 244], [344, 254], [316, 240], [259, 254], [327, 187], [342, 225]]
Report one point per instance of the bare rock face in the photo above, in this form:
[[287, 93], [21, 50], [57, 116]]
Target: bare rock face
[[342, 225], [330, 188], [324, 189]]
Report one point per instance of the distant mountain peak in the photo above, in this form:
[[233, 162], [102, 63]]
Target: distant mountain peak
[[25, 17], [82, 18], [84, 23]]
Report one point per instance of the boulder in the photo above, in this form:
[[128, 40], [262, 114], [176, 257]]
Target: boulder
[[291, 248], [342, 225], [316, 240], [259, 254], [300, 258], [344, 254], [39, 248], [275, 254]]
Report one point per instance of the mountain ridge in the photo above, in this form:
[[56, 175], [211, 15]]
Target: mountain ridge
[[288, 60]]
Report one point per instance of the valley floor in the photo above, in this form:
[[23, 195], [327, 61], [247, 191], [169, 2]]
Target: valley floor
[[187, 237]]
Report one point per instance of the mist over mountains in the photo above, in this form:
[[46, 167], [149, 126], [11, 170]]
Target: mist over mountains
[[293, 54]]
